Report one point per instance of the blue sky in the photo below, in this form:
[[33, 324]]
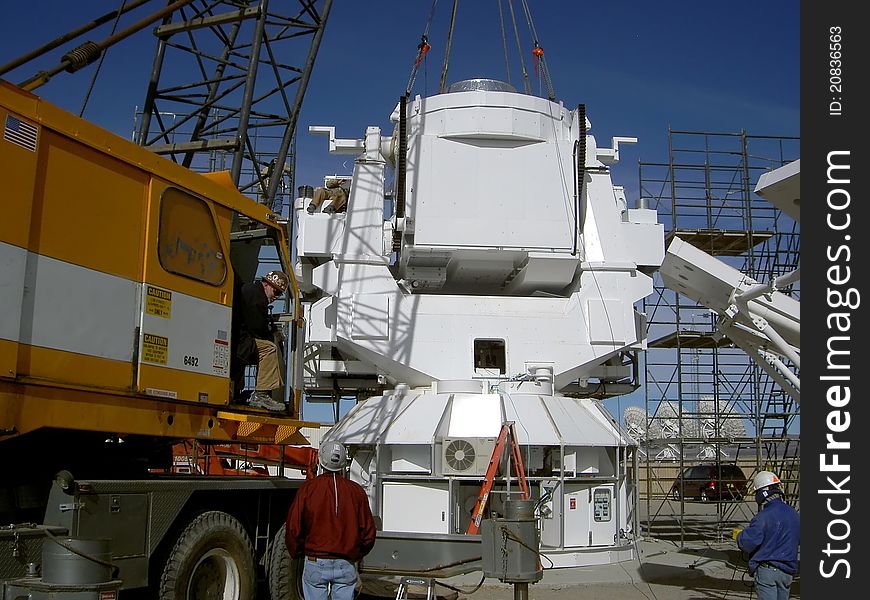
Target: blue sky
[[640, 68]]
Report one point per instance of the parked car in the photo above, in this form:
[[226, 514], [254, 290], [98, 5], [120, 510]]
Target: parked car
[[710, 482]]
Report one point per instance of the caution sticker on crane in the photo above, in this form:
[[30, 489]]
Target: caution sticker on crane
[[158, 302], [155, 349]]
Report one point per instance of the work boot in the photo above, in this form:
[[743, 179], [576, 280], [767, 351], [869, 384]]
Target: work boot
[[329, 209], [261, 399], [311, 208]]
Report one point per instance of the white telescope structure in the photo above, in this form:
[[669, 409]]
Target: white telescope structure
[[502, 274]]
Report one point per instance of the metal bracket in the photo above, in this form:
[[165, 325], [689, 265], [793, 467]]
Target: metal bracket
[[336, 145], [610, 156]]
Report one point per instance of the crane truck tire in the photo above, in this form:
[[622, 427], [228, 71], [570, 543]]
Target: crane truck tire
[[212, 558], [285, 573]]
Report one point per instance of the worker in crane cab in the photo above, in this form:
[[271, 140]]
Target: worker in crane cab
[[331, 525], [254, 336], [336, 191]]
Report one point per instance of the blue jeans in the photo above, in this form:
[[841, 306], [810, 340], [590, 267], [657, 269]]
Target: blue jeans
[[771, 583], [317, 577]]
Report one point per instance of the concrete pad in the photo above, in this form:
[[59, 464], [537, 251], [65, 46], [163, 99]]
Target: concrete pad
[[662, 570]]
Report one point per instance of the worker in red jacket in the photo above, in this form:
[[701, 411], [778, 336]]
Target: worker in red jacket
[[330, 523]]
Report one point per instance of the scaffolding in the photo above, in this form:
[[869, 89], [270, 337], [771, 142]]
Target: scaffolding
[[706, 400]]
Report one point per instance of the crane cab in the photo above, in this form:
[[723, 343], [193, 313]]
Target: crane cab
[[118, 274]]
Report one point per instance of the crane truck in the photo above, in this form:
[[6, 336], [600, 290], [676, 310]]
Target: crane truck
[[117, 275]]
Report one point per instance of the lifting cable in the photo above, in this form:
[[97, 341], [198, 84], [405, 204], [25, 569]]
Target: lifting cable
[[442, 87], [422, 49], [14, 64], [87, 97], [526, 85], [507, 67], [538, 53], [89, 52]]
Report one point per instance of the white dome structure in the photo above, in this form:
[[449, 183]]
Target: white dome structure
[[442, 438]]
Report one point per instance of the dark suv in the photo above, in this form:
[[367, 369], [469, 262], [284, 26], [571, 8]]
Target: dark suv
[[710, 482]]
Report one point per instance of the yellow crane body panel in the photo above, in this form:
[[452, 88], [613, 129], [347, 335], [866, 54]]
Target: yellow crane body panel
[[115, 278]]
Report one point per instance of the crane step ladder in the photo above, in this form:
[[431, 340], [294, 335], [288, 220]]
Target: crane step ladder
[[408, 582], [507, 433]]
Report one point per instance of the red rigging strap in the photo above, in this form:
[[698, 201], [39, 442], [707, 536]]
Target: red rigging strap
[[423, 48], [538, 53]]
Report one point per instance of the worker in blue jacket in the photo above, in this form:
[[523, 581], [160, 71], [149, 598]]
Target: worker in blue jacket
[[771, 540]]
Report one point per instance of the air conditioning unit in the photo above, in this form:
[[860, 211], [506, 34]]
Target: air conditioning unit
[[466, 456]]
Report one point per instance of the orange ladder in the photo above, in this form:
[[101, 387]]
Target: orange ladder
[[507, 431]]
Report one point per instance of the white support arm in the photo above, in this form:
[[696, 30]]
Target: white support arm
[[767, 288], [610, 156], [742, 306], [338, 146], [751, 342]]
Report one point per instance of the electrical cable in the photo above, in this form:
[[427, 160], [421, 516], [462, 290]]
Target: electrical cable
[[459, 590], [640, 569], [527, 469], [510, 535], [730, 581], [567, 195]]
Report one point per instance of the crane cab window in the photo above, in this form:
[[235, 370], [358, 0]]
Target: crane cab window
[[489, 355], [187, 241]]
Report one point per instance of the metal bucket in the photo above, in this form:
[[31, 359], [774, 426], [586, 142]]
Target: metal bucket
[[73, 561], [519, 510]]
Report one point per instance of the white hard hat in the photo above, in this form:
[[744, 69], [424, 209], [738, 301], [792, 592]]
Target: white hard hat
[[332, 456], [764, 479]]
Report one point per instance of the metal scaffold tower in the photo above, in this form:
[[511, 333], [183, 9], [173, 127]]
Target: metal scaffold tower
[[226, 87], [707, 401]]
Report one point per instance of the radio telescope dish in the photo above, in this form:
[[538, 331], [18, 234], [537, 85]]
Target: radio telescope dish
[[665, 424], [634, 418], [730, 425]]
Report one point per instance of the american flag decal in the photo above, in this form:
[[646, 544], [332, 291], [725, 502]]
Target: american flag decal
[[20, 133]]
